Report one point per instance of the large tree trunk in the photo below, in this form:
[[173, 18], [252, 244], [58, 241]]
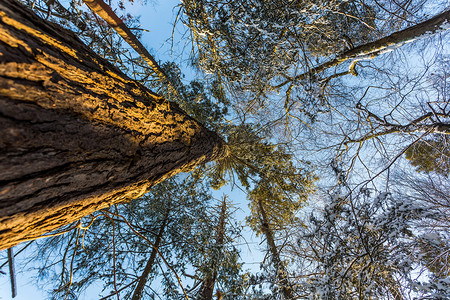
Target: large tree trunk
[[77, 135]]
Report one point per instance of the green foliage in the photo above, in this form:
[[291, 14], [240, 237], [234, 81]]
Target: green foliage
[[276, 180], [431, 155], [273, 30], [111, 247], [431, 253], [253, 45], [203, 100], [268, 172]]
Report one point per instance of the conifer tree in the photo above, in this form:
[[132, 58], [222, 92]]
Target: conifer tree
[[77, 135]]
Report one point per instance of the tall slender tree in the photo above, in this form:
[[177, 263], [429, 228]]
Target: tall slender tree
[[207, 287], [281, 272], [139, 290], [276, 186], [134, 249]]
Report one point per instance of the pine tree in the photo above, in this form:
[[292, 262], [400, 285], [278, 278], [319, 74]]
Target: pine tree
[[128, 247], [77, 135]]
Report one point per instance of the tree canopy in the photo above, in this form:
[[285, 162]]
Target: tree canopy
[[336, 119]]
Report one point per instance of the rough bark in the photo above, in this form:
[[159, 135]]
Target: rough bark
[[77, 135]]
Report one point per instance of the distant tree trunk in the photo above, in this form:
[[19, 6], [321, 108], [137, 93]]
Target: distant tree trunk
[[12, 272], [76, 134], [109, 16], [139, 291], [207, 288], [281, 272], [106, 13]]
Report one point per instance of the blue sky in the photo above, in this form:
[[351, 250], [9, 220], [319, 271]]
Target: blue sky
[[157, 17]]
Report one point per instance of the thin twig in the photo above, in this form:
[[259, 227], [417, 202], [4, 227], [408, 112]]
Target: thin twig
[[71, 265]]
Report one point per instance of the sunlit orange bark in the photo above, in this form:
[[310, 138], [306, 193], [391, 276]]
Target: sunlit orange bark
[[77, 135]]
